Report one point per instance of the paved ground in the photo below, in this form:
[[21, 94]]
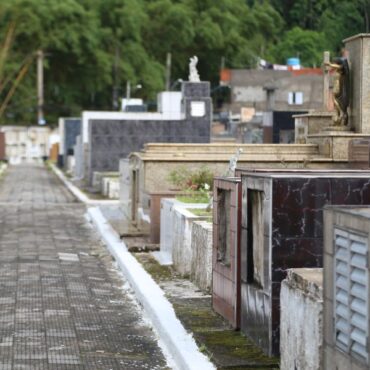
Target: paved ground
[[61, 305]]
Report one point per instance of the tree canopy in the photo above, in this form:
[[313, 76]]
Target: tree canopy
[[93, 47]]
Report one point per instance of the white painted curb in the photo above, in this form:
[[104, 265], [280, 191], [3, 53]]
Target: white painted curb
[[78, 193], [178, 342]]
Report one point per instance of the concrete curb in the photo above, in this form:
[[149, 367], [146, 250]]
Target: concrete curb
[[78, 193], [178, 342]]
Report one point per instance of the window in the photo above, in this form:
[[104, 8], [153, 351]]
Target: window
[[351, 294], [223, 254], [295, 98]]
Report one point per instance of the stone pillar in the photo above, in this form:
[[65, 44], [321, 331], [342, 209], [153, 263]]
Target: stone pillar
[[326, 82], [358, 54], [267, 125], [268, 116]]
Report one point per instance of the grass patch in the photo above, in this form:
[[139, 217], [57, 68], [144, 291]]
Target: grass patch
[[196, 198], [202, 212]]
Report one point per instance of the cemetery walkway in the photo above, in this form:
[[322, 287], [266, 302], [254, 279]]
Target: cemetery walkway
[[62, 305]]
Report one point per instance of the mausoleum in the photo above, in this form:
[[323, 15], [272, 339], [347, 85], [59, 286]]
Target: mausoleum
[[109, 136]]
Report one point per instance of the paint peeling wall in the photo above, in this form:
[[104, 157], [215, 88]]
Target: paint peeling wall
[[182, 252], [301, 320], [201, 245]]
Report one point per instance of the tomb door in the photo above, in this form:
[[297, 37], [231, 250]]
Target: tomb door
[[253, 265]]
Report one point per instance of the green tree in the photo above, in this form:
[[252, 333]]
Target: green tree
[[307, 45], [94, 47], [123, 23], [212, 30], [69, 35], [306, 13], [263, 29], [303, 13], [344, 20], [170, 29]]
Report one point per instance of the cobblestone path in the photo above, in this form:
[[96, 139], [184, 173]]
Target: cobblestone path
[[62, 305]]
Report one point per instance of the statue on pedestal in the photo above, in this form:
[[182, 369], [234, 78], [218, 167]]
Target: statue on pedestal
[[340, 91], [193, 72]]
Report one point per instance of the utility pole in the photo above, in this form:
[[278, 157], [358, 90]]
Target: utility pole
[[168, 71], [222, 66], [128, 91], [40, 87], [116, 80]]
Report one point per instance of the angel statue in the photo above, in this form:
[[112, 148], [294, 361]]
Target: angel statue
[[193, 72], [340, 90]]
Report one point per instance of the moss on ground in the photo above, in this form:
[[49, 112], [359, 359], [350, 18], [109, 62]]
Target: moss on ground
[[234, 344], [226, 348], [197, 315], [159, 273]]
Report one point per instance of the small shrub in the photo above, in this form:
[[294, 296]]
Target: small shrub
[[196, 180], [197, 184], [179, 177]]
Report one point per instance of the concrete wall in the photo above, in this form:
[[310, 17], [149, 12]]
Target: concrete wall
[[247, 89], [78, 154], [98, 179], [157, 173], [182, 252], [26, 144], [301, 320], [167, 232], [71, 164], [110, 187], [164, 255], [181, 240], [357, 48], [201, 246], [124, 186]]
